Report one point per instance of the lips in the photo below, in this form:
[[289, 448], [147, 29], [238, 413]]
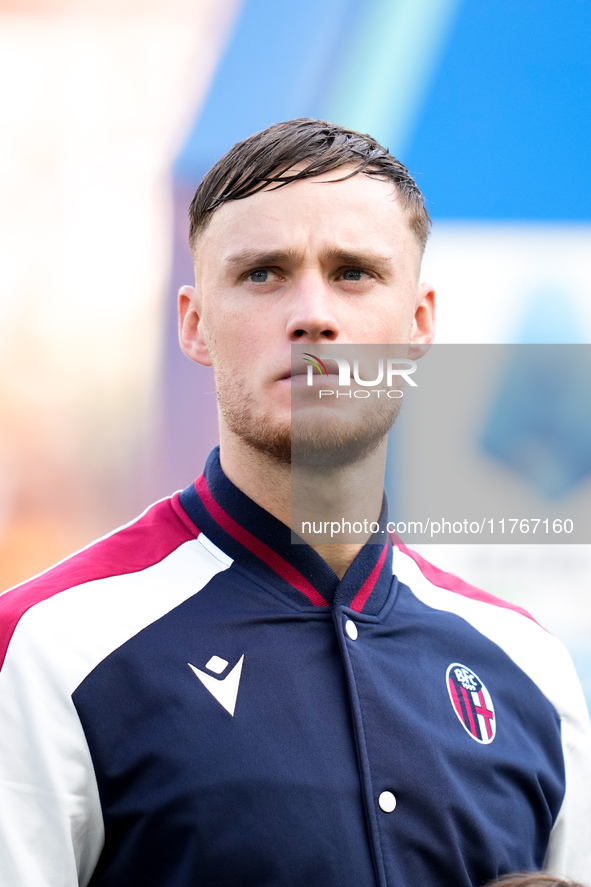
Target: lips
[[294, 371], [300, 379]]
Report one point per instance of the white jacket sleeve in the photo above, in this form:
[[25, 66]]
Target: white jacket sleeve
[[51, 829], [569, 852]]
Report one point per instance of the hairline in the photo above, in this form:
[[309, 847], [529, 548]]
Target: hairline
[[406, 207]]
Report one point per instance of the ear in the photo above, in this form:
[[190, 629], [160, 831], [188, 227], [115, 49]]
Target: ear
[[191, 337], [423, 326]]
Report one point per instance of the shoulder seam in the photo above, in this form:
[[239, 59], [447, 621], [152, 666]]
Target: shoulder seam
[[450, 582], [79, 568]]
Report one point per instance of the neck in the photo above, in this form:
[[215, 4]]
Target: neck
[[349, 493]]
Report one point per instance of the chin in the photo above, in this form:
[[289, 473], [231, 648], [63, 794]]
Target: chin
[[312, 449], [335, 438], [319, 440]]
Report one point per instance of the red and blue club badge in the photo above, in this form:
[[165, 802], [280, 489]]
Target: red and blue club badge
[[471, 702]]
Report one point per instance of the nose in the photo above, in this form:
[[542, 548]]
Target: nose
[[313, 317]]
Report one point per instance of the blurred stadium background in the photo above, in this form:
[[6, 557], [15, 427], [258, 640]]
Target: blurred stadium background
[[110, 113]]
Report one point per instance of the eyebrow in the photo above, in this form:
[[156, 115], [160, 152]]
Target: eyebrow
[[253, 257], [357, 258], [362, 258]]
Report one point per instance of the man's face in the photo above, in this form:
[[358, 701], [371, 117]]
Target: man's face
[[315, 262]]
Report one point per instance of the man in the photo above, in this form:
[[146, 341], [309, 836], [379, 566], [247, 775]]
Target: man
[[194, 700]]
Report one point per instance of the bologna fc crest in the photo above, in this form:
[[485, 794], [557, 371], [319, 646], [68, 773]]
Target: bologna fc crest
[[472, 703]]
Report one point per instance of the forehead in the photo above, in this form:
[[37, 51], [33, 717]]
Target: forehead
[[328, 211]]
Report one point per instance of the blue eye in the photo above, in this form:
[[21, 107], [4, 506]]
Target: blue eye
[[259, 275], [353, 274]]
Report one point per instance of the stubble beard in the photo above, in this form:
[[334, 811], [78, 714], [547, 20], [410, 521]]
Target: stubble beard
[[315, 445], [262, 433]]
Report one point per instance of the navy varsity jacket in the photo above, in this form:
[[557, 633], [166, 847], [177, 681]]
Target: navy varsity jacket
[[193, 701]]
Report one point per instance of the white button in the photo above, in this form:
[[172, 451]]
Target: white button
[[387, 802], [351, 629]]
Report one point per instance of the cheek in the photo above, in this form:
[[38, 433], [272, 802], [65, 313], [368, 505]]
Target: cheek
[[401, 312], [238, 334], [227, 318], [387, 323], [232, 346]]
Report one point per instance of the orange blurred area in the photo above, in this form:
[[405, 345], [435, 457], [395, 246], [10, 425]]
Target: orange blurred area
[[101, 95], [29, 547]]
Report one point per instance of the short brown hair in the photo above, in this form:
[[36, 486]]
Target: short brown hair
[[533, 879], [264, 158]]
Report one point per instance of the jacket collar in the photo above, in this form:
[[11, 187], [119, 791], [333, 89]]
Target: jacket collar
[[261, 543]]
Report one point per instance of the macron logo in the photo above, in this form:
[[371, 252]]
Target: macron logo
[[224, 690]]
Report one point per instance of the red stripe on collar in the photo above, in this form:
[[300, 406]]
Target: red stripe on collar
[[256, 547], [368, 586]]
